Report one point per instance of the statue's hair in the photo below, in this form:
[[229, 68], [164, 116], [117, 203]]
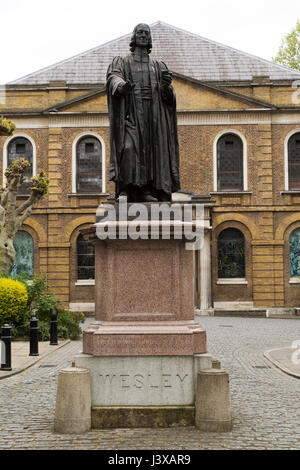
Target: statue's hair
[[132, 44]]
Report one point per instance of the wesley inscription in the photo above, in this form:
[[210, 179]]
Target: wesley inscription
[[142, 381]]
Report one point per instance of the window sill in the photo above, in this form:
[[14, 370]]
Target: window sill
[[291, 191], [236, 281], [294, 280], [85, 282], [87, 194], [230, 193]]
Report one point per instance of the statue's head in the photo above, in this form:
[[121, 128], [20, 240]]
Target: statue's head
[[141, 36]]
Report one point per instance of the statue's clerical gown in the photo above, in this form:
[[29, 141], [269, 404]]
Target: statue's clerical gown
[[143, 125]]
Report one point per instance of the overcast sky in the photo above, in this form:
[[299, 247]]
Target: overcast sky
[[36, 33]]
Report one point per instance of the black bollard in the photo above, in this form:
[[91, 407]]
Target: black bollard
[[34, 337], [6, 348], [53, 327]]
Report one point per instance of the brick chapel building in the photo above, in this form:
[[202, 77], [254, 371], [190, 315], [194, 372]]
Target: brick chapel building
[[239, 137]]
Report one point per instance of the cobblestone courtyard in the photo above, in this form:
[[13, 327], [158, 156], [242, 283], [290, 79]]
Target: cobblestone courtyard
[[265, 401]]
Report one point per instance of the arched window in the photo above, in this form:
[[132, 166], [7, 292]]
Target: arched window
[[20, 147], [294, 161], [85, 259], [231, 254], [295, 253], [89, 165], [23, 263], [229, 163]]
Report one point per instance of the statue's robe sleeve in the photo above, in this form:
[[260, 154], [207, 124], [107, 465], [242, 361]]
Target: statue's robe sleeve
[[116, 108], [165, 116]]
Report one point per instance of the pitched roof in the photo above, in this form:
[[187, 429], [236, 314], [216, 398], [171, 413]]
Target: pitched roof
[[184, 52]]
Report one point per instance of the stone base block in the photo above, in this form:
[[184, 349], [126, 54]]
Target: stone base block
[[143, 380], [213, 407], [73, 401], [280, 312], [142, 416]]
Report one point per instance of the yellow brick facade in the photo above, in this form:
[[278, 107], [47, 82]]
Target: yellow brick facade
[[264, 213]]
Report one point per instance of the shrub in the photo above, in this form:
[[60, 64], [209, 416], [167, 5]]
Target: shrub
[[68, 324], [40, 298], [13, 301], [39, 302]]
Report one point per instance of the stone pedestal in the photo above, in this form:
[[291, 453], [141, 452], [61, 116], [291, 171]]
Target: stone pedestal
[[144, 300], [144, 349], [73, 401], [213, 407]]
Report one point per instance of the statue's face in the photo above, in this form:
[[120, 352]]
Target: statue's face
[[142, 35]]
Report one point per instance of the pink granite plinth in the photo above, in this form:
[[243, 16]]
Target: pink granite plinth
[[144, 299], [144, 339]]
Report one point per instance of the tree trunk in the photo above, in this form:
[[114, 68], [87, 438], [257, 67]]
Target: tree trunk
[[7, 251], [12, 215]]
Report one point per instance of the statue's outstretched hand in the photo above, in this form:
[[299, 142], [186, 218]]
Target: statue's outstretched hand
[[126, 88]]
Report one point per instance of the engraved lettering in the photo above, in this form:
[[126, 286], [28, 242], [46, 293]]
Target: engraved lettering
[[138, 381], [182, 378], [165, 380], [107, 378], [123, 380], [152, 385]]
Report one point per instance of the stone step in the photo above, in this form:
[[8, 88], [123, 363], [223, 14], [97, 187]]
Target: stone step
[[241, 313], [260, 313]]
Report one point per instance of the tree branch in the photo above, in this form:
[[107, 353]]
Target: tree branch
[[24, 217], [29, 202], [2, 216], [11, 211], [4, 197]]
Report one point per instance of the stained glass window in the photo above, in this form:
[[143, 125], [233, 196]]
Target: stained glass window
[[231, 254], [230, 163], [23, 262], [85, 259], [20, 147], [295, 253], [294, 161], [89, 165]]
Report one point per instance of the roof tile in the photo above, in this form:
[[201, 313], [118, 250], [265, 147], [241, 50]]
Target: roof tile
[[185, 53]]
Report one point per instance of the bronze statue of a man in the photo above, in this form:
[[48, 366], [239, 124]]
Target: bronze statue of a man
[[144, 155]]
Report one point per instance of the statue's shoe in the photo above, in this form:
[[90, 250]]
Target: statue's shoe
[[147, 197]]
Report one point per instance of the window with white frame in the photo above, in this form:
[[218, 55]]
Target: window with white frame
[[231, 254], [85, 259], [295, 253], [18, 148], [230, 171], [294, 162], [89, 165]]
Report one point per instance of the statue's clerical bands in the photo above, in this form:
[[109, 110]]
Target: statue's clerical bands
[[144, 158]]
